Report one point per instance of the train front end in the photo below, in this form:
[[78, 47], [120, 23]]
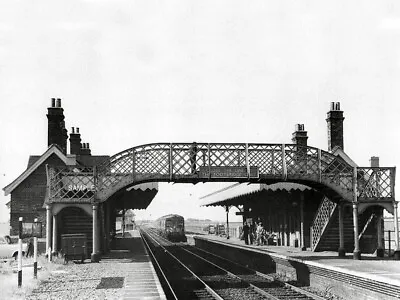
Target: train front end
[[175, 229]]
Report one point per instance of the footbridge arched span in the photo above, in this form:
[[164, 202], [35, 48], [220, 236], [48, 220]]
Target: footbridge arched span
[[237, 162]]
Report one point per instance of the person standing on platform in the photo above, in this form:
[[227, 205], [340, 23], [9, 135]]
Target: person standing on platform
[[252, 231], [259, 234], [246, 231]]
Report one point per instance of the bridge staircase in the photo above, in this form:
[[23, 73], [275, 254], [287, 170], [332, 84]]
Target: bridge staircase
[[325, 229]]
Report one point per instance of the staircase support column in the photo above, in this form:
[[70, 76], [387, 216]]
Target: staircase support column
[[48, 229], [357, 252], [55, 234], [341, 251], [285, 230], [396, 232], [227, 221], [95, 257], [380, 251], [107, 225], [302, 240]]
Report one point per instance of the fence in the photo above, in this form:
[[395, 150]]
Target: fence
[[234, 231], [389, 242]]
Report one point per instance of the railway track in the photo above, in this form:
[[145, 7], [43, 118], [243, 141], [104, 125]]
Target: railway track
[[178, 281], [227, 279]]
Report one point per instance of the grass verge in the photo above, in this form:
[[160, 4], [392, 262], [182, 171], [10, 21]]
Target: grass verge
[[9, 276]]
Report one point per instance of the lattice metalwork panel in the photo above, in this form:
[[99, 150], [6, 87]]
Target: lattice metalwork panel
[[301, 160], [121, 163], [313, 162], [321, 219], [71, 183], [375, 182], [226, 155], [152, 159], [267, 157], [187, 158]]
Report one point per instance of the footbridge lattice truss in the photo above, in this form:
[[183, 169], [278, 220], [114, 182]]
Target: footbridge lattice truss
[[238, 162]]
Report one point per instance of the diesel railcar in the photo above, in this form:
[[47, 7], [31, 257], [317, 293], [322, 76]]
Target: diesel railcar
[[172, 227]]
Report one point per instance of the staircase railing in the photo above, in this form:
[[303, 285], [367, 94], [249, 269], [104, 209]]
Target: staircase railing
[[366, 226], [321, 220]]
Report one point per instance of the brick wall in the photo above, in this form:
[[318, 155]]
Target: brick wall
[[28, 198]]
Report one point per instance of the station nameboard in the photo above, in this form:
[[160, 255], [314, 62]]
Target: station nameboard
[[228, 172], [31, 230], [78, 183]]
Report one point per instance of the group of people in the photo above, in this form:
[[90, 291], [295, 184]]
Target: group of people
[[256, 233]]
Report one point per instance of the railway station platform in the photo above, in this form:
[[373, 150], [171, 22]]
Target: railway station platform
[[141, 281], [368, 278]]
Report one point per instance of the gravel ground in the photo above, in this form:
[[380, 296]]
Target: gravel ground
[[102, 280]]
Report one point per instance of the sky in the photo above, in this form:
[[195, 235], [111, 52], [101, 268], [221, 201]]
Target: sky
[[137, 72]]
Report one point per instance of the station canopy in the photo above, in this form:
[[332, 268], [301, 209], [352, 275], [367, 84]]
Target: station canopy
[[240, 193], [136, 197]]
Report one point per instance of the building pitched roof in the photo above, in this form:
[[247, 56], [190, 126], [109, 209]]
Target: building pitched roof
[[32, 160], [35, 163], [92, 160], [339, 152]]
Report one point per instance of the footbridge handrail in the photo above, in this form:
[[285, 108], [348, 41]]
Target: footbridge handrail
[[202, 162]]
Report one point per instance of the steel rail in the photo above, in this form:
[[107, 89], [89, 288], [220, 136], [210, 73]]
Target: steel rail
[[269, 277], [208, 288], [257, 289], [158, 265], [264, 293]]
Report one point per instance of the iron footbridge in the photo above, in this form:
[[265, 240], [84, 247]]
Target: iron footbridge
[[213, 162]]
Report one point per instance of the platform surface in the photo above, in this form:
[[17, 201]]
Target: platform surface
[[141, 281], [380, 269]]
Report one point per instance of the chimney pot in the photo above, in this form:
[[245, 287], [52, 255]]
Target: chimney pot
[[87, 144], [73, 129], [332, 106], [337, 105], [299, 127], [77, 129], [53, 102], [58, 102]]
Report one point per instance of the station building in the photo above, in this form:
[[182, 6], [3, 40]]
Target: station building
[[29, 193]]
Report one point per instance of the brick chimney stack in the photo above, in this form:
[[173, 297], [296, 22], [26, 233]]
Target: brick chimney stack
[[64, 131], [335, 126], [85, 149], [56, 132], [75, 141], [299, 136], [374, 161]]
